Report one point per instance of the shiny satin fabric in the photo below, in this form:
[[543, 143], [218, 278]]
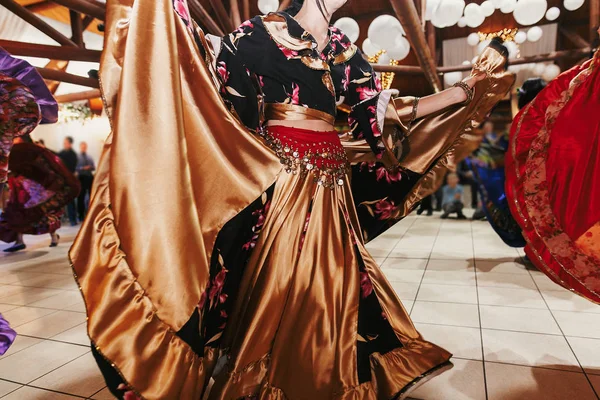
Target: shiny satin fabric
[[284, 352], [292, 112], [169, 178], [551, 170]]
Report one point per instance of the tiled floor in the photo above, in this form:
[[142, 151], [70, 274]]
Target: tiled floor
[[515, 335]]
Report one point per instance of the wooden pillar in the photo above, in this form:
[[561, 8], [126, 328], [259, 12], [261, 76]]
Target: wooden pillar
[[594, 19]]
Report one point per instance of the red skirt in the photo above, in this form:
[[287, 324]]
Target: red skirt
[[553, 179]]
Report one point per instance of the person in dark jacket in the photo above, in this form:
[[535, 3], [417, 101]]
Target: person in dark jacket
[[69, 159]]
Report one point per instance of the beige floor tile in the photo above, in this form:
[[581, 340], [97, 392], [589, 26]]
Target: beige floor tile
[[579, 324], [37, 360], [531, 349], [508, 266], [79, 377], [404, 263], [30, 393], [451, 265], [10, 290], [513, 281], [462, 342], [587, 352], [410, 253], [404, 290], [104, 394], [64, 283], [7, 307], [463, 382], [22, 315], [7, 387], [28, 295], [463, 278], [447, 293], [509, 297], [16, 277], [446, 314], [51, 325], [518, 319], [75, 335], [564, 300], [41, 280], [512, 382], [59, 301], [404, 275], [545, 283], [416, 241], [21, 343]]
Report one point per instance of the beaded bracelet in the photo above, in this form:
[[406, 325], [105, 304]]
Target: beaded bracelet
[[413, 115], [469, 91]]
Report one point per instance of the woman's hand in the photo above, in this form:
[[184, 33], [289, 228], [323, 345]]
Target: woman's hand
[[473, 79]]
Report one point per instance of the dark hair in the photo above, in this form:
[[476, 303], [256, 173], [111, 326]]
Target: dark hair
[[27, 138], [69, 139], [41, 141], [498, 44], [297, 5], [531, 87]]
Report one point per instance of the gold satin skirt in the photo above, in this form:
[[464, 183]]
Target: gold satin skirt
[[315, 317]]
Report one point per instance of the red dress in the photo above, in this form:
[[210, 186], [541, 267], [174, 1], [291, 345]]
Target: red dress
[[553, 185]]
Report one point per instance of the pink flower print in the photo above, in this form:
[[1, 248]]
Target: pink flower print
[[202, 301], [373, 120], [129, 394], [294, 98], [182, 9], [223, 314], [222, 70], [378, 86], [366, 287], [383, 173], [346, 79], [216, 287], [244, 24], [384, 209], [260, 81], [366, 93], [289, 54]]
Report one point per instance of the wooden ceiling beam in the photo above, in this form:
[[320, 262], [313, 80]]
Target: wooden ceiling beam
[[57, 65], [87, 7], [76, 27], [200, 14], [236, 17], [87, 21], [78, 96], [407, 13], [222, 16], [594, 19], [573, 37], [37, 22], [69, 53], [54, 75]]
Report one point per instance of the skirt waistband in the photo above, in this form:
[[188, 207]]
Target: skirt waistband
[[293, 112]]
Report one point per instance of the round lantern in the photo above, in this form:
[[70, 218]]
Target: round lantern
[[384, 30], [349, 26], [529, 12], [551, 71], [520, 37], [488, 8], [447, 13], [573, 5], [473, 39], [474, 15], [552, 13], [534, 34], [508, 6], [451, 78], [462, 22], [267, 6], [369, 48], [400, 50]]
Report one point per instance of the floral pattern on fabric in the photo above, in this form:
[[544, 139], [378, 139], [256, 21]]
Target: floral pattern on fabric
[[19, 115]]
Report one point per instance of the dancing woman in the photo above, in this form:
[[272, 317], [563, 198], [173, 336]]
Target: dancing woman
[[552, 170], [250, 267]]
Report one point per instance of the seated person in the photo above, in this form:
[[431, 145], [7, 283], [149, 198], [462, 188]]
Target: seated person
[[452, 201]]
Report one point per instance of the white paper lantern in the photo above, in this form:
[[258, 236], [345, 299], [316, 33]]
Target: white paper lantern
[[538, 69], [529, 12], [534, 34], [552, 13], [497, 4], [481, 46], [488, 8], [384, 30], [473, 39], [430, 5], [447, 13], [267, 6], [474, 15], [462, 22], [573, 5], [450, 78], [551, 71], [384, 59], [466, 62], [513, 49], [400, 50], [349, 26], [520, 37], [369, 48], [508, 6]]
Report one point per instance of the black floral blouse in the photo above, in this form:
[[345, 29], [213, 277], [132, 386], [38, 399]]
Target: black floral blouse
[[282, 59]]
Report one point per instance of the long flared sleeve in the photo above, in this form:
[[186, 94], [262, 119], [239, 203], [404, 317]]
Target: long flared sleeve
[[413, 156]]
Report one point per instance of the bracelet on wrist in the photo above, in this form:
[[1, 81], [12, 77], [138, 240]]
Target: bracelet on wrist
[[469, 91]]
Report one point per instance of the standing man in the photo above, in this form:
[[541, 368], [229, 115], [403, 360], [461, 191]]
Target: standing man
[[69, 159], [85, 172]]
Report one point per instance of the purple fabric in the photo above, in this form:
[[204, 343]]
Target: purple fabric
[[28, 75], [7, 335]]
